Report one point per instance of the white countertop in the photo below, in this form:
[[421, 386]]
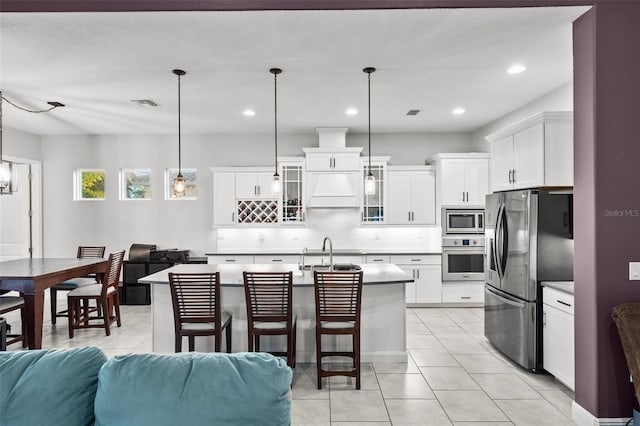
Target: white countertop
[[231, 274], [339, 252], [564, 286]]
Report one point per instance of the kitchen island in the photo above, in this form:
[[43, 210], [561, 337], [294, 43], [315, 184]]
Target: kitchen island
[[383, 325]]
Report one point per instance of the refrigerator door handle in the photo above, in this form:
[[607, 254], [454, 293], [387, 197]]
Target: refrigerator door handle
[[496, 242], [506, 299], [505, 239]]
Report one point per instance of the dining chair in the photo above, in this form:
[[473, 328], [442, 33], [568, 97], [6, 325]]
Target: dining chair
[[197, 309], [84, 252], [338, 299], [106, 296], [270, 310], [10, 304]]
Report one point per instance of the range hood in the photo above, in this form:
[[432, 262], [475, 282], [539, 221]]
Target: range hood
[[334, 176]]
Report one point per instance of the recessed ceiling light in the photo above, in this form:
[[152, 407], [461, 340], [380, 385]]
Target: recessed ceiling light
[[516, 69], [249, 112], [351, 111], [413, 112], [458, 111]]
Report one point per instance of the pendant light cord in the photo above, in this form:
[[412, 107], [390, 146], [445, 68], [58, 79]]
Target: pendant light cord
[[179, 132], [275, 126], [369, 111]]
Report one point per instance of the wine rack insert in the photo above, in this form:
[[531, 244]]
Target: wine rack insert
[[257, 211]]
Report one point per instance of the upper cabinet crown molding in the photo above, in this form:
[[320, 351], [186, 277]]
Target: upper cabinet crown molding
[[545, 116]]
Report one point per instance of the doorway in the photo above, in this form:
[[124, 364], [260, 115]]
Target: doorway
[[21, 213]]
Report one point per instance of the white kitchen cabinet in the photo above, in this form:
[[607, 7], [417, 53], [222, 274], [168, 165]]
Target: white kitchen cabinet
[[292, 207], [558, 335], [371, 258], [411, 195], [244, 196], [373, 205], [536, 152], [272, 258], [253, 184], [463, 292], [338, 161], [224, 196], [219, 259], [462, 179], [426, 271]]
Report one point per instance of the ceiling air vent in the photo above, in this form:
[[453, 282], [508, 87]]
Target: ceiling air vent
[[413, 112], [145, 102]]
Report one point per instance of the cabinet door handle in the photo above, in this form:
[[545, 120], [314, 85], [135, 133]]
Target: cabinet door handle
[[377, 260], [233, 217], [413, 271], [467, 196], [413, 216], [408, 216], [230, 260], [465, 297], [563, 303], [418, 273], [514, 175], [510, 171], [416, 260], [544, 319], [276, 260]]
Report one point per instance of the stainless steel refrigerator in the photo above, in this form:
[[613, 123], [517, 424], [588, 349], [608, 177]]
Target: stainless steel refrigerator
[[529, 238]]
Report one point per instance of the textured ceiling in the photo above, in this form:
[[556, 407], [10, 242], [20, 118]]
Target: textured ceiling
[[431, 60]]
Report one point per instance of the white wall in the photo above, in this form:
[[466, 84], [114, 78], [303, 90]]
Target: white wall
[[559, 99], [16, 143], [411, 148], [185, 223]]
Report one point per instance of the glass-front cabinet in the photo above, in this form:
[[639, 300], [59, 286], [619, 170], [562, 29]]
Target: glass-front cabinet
[[291, 204], [373, 204]]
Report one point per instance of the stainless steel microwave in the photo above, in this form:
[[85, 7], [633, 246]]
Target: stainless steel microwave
[[462, 221]]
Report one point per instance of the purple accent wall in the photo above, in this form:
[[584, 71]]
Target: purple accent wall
[[607, 198]]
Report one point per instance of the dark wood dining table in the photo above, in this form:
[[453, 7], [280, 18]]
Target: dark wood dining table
[[32, 277]]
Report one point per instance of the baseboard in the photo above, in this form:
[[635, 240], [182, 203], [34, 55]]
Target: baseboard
[[582, 417]]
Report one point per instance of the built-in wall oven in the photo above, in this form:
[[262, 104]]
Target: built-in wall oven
[[463, 258]]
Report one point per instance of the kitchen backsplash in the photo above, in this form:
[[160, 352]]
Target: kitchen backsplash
[[341, 225]]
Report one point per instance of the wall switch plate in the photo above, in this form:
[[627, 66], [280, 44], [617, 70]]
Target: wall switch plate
[[634, 271]]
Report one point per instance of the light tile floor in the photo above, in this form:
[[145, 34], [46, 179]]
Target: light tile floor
[[453, 376]]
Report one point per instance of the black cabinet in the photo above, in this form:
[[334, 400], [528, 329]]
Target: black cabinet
[[133, 293]]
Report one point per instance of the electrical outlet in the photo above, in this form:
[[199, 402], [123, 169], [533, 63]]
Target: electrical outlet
[[634, 271]]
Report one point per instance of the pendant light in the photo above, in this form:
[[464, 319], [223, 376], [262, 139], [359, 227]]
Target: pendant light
[[370, 180], [179, 185], [276, 176]]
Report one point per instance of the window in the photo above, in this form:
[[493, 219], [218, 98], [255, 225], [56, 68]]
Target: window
[[88, 184], [135, 184], [190, 177]]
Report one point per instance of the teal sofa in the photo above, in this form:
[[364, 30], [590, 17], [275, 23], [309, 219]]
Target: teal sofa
[[81, 387]]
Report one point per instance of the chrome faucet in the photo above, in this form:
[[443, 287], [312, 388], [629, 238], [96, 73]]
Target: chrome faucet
[[324, 245]]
